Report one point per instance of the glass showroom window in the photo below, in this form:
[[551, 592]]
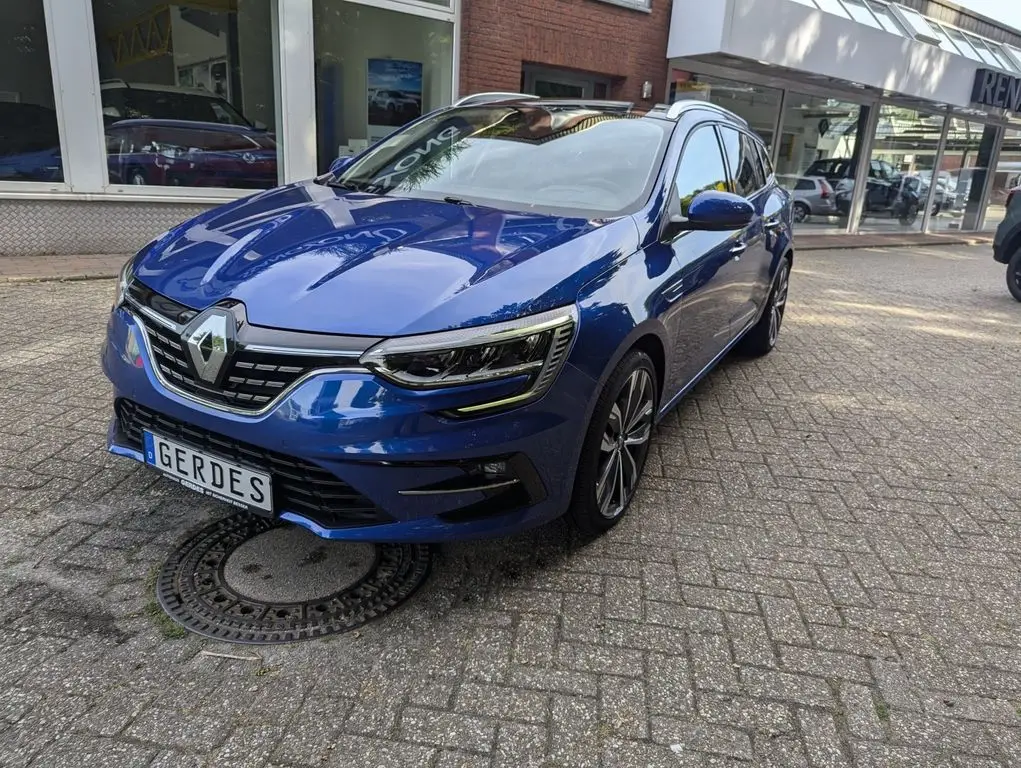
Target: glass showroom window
[[819, 150], [759, 105], [188, 93], [900, 169], [376, 70], [29, 141], [1007, 175], [960, 178]]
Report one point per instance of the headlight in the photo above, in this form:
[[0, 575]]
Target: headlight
[[122, 282], [533, 347]]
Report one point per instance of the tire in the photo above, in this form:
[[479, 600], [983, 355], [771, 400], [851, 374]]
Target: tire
[[762, 336], [801, 213], [609, 470], [910, 215], [136, 178], [1014, 275]]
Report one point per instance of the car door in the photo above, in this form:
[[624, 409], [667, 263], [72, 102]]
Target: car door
[[698, 291], [750, 252]]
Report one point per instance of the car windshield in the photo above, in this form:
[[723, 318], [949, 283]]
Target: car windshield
[[142, 103], [536, 158], [832, 168]]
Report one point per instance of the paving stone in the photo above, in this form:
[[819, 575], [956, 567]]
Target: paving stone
[[520, 746], [622, 706], [821, 740], [822, 565], [502, 702], [447, 729]]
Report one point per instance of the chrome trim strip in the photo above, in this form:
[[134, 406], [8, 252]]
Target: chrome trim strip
[[155, 316], [178, 329], [310, 352], [140, 328], [473, 489]]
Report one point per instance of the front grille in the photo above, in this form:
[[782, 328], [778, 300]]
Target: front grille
[[298, 486], [252, 379]]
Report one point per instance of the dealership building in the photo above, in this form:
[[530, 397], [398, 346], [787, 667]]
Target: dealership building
[[120, 118]]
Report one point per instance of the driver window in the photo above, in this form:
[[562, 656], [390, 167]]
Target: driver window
[[701, 167]]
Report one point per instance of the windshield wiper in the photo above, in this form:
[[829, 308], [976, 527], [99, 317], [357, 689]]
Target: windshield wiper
[[458, 201], [354, 186]]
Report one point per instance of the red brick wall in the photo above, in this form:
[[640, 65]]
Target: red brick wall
[[498, 36]]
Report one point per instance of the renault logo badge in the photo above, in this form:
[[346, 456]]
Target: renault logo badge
[[209, 339]]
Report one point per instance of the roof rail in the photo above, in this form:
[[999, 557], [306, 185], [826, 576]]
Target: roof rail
[[678, 108], [485, 98]]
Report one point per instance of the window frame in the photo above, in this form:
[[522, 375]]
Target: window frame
[[760, 147], [707, 123], [78, 102]]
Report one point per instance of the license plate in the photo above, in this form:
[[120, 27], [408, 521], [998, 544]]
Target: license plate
[[210, 475]]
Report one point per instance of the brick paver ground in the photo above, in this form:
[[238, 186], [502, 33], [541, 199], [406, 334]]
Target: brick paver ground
[[821, 569]]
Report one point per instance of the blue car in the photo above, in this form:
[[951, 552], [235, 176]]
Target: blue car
[[468, 330]]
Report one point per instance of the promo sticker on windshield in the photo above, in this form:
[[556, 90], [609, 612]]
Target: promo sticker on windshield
[[424, 157]]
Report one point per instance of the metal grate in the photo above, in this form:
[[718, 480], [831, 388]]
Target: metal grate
[[298, 485]]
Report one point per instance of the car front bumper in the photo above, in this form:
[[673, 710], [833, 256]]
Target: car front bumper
[[420, 471]]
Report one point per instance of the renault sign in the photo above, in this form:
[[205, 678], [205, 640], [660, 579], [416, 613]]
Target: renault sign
[[997, 89]]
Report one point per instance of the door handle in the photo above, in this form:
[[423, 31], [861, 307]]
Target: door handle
[[738, 249], [772, 223]]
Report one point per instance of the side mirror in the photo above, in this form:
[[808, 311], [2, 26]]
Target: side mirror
[[340, 164], [711, 211]]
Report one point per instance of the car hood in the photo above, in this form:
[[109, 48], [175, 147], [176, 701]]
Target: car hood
[[315, 258]]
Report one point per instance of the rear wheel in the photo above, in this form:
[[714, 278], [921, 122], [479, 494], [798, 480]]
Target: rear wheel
[[762, 337], [616, 446], [910, 215], [1014, 275], [801, 212]]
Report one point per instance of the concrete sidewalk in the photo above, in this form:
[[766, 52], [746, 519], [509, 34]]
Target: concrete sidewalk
[[32, 268]]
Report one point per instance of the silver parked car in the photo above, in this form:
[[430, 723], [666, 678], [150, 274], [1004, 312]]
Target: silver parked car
[[813, 196]]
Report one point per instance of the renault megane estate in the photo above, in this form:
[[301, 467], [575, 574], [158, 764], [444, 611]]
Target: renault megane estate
[[467, 330]]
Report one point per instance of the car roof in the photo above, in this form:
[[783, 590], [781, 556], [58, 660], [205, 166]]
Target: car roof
[[165, 123], [111, 84], [672, 112]]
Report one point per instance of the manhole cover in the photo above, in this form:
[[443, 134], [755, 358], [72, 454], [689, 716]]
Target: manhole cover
[[247, 579]]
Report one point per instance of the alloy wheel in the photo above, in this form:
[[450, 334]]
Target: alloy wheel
[[624, 444], [778, 304]]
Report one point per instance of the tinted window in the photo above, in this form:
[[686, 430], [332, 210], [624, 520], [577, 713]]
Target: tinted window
[[743, 158], [546, 158], [805, 184], [830, 169], [701, 167]]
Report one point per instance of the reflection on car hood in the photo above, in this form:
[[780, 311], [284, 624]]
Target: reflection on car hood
[[316, 258]]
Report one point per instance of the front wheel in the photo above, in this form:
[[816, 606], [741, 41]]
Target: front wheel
[[616, 446], [1014, 275]]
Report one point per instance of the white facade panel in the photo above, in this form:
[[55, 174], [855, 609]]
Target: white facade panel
[[789, 34]]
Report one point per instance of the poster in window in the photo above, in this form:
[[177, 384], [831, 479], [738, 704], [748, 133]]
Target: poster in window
[[394, 92]]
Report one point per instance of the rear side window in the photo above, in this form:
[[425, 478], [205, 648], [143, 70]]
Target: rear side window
[[701, 168], [805, 184], [746, 173], [767, 166]]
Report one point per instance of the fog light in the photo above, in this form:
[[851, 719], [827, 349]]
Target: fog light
[[495, 468]]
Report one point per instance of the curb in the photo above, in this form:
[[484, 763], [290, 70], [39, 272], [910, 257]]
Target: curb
[[55, 278], [842, 246]]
